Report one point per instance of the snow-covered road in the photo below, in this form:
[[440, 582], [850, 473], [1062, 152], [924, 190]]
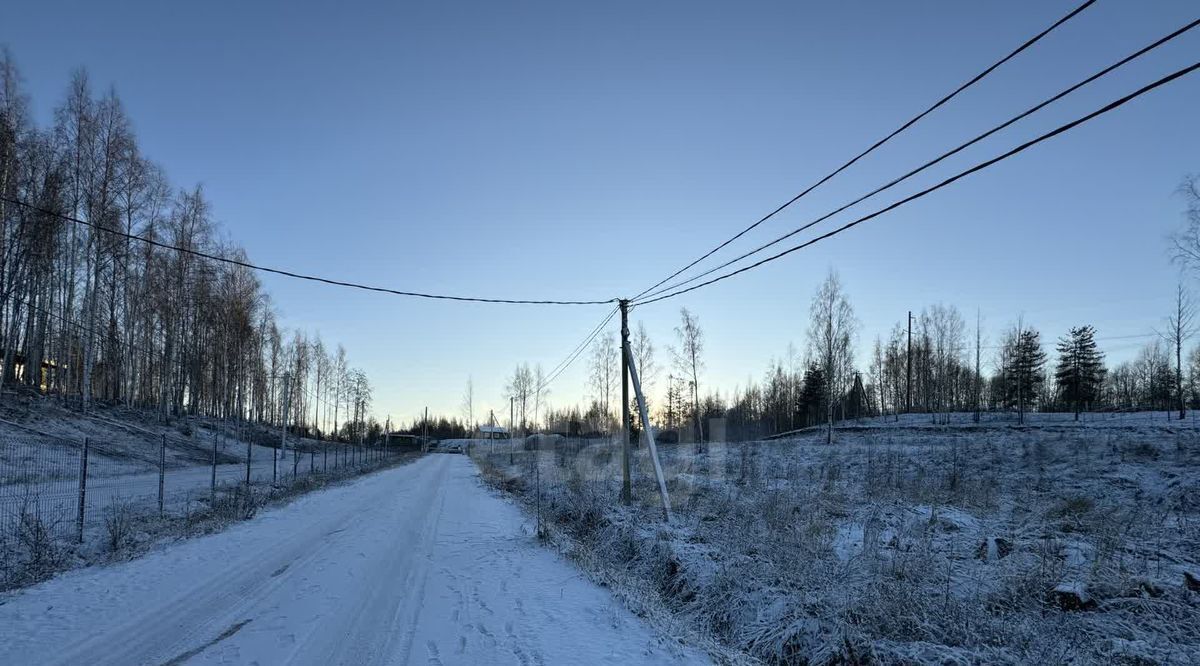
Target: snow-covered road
[[418, 564]]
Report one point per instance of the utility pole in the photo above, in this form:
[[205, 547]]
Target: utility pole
[[511, 426], [425, 432], [626, 486], [908, 369]]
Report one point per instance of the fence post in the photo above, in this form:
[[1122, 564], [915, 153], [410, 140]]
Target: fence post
[[213, 490], [249, 450], [83, 462], [162, 470], [312, 461]]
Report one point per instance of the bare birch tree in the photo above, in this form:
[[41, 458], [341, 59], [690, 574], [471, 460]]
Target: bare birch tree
[[468, 405], [831, 333], [689, 362]]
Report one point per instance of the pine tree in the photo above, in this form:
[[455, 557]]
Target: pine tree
[[1080, 371], [812, 396], [1024, 360]]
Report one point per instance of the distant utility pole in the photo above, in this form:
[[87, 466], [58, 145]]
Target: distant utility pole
[[511, 427], [626, 488], [425, 432], [908, 369]]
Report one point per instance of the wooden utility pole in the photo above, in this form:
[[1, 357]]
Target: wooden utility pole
[[908, 369], [626, 485], [425, 431], [511, 426]]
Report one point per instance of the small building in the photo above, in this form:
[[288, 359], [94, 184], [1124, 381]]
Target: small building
[[400, 441], [491, 432]]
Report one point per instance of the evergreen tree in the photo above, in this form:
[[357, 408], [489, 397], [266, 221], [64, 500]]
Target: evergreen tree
[[1024, 361], [812, 396], [1080, 371]]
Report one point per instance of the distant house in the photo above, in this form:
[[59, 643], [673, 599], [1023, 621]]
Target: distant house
[[491, 432]]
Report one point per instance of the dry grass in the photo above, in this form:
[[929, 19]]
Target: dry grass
[[884, 547]]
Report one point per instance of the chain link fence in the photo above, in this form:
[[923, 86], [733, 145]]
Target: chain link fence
[[59, 495]]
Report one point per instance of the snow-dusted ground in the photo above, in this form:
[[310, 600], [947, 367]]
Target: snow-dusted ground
[[41, 443], [40, 462], [417, 564], [924, 544], [57, 501]]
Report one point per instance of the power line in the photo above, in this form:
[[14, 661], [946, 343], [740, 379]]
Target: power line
[[943, 156], [978, 77], [579, 349], [291, 274], [978, 167]]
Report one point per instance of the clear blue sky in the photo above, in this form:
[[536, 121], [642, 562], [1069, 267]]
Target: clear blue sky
[[585, 150]]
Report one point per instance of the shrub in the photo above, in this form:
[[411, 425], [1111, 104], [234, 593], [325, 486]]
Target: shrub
[[118, 527]]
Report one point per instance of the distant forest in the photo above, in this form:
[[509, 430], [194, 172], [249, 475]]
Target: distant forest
[[937, 363]]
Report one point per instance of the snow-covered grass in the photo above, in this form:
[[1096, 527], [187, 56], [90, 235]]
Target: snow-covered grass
[[40, 439], [988, 544]]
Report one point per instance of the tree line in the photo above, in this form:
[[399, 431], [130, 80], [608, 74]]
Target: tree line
[[932, 362], [91, 315]]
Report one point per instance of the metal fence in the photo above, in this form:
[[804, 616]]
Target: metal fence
[[67, 489]]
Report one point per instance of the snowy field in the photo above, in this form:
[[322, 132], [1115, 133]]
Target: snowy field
[[993, 544], [417, 564]]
